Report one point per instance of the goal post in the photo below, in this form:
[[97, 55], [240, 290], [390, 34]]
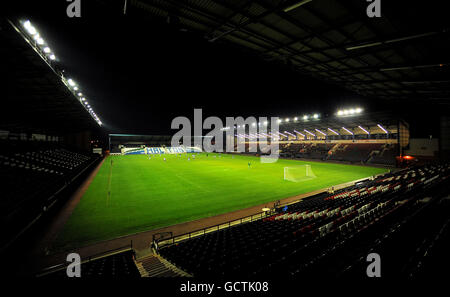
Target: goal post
[[298, 173]]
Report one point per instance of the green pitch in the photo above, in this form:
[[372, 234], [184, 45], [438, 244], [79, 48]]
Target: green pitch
[[138, 194]]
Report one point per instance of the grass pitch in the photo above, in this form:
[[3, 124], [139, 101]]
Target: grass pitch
[[138, 194]]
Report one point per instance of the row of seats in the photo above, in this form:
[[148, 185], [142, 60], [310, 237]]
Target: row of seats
[[373, 153], [32, 172], [117, 266], [315, 235]]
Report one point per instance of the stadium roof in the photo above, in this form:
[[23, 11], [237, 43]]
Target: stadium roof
[[372, 119], [402, 55], [37, 100]]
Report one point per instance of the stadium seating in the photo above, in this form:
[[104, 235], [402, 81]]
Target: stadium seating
[[354, 152], [306, 150], [385, 156], [33, 171], [373, 153], [325, 235], [117, 266]]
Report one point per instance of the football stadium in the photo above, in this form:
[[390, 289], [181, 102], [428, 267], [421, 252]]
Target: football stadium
[[183, 141]]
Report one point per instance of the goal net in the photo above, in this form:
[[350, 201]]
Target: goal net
[[298, 173]]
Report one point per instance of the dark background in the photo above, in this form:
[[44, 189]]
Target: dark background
[[139, 73]]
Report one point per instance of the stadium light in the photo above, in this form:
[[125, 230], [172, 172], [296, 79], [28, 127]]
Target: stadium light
[[80, 94], [287, 120], [348, 130], [321, 132], [47, 55], [309, 132], [333, 131], [351, 111], [381, 127], [27, 25], [71, 82], [305, 117], [363, 129], [295, 119], [280, 120], [316, 116]]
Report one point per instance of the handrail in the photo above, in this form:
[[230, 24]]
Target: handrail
[[94, 257], [175, 239], [157, 243]]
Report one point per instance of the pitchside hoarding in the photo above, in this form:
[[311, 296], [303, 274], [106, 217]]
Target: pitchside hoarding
[[159, 150]]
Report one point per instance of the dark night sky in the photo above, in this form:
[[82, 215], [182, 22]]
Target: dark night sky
[[139, 73]]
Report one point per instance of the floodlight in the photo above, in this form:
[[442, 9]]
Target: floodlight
[[340, 112], [287, 120], [80, 94], [75, 88], [295, 119], [71, 82], [47, 50], [351, 111], [279, 121], [40, 41], [305, 117], [359, 110], [30, 28], [52, 57], [316, 116]]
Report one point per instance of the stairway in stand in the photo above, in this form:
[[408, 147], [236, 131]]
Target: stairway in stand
[[156, 266]]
